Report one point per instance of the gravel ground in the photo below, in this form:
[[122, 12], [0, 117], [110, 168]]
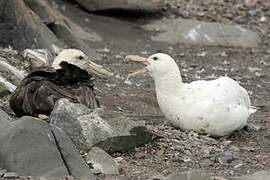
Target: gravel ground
[[243, 152], [178, 150]]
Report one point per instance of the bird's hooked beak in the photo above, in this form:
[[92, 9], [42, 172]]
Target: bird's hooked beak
[[93, 68], [137, 59]]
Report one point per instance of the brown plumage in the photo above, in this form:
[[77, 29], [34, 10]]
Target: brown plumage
[[39, 90]]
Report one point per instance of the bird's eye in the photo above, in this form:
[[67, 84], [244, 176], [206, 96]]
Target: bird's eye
[[155, 58], [80, 57]]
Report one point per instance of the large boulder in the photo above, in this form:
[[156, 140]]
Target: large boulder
[[29, 146], [134, 5], [202, 33], [87, 128], [73, 161], [38, 24]]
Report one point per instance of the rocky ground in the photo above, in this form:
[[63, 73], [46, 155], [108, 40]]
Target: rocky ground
[[243, 152]]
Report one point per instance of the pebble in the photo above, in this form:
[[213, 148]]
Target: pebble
[[252, 127], [224, 157], [104, 50], [139, 155], [262, 19], [10, 175], [2, 172], [202, 54]]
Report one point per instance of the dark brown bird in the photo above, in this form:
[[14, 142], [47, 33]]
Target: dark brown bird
[[70, 77]]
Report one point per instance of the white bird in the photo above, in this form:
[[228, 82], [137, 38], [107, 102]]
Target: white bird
[[217, 107]]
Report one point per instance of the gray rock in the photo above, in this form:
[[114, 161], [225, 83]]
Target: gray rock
[[261, 175], [217, 178], [102, 161], [73, 161], [28, 148], [4, 91], [252, 127], [189, 175], [5, 120], [10, 175], [86, 128], [157, 177], [203, 33], [2, 172], [134, 5], [223, 157]]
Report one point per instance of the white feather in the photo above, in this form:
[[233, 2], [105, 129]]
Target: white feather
[[217, 107]]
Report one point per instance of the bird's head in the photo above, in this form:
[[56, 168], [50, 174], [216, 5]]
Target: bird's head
[[157, 65], [78, 58]]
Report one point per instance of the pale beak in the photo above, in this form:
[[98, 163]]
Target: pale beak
[[94, 69], [138, 59]]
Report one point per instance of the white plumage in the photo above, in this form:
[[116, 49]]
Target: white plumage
[[217, 107]]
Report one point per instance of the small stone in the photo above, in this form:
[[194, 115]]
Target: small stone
[[157, 177], [102, 161], [104, 50], [139, 155], [252, 12], [181, 55], [117, 56], [238, 166], [10, 175], [96, 171], [217, 178], [2, 172], [252, 127], [224, 54], [262, 19], [189, 175], [4, 91], [251, 149], [202, 54], [224, 157], [186, 159], [235, 148], [206, 163]]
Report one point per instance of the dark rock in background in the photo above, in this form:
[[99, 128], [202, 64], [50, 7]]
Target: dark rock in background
[[202, 33], [35, 24], [134, 5]]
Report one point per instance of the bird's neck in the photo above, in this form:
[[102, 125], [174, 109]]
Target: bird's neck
[[170, 84]]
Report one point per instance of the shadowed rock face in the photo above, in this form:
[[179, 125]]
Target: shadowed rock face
[[29, 146], [134, 5], [87, 128], [37, 24]]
